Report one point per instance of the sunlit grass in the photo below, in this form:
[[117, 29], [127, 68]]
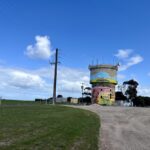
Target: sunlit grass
[[47, 127]]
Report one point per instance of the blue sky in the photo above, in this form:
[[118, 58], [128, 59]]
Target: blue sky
[[109, 31]]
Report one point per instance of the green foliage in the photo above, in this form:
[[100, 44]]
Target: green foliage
[[131, 91], [47, 127], [119, 96], [142, 101]]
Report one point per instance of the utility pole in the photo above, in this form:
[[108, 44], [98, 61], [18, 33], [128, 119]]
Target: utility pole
[[55, 76], [82, 88]]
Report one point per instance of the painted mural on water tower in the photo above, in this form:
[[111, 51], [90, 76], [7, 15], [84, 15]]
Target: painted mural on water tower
[[103, 79]]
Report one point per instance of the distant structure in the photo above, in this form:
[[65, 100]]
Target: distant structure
[[103, 79]]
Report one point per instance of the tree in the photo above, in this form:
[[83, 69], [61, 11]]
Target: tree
[[87, 91], [119, 96], [59, 96], [142, 101], [131, 91]]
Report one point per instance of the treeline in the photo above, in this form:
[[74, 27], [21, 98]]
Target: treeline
[[141, 101]]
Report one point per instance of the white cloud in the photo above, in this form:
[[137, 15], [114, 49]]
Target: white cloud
[[130, 62], [144, 91], [22, 84], [70, 80], [25, 80], [85, 79], [128, 59], [70, 86], [30, 84], [123, 53], [135, 60], [121, 76], [20, 78], [41, 49]]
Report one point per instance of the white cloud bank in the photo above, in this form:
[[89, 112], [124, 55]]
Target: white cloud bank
[[42, 49], [127, 59], [26, 80], [70, 79], [21, 84], [144, 91], [31, 84], [131, 62], [123, 53]]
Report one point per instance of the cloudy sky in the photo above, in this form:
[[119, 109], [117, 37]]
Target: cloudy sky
[[87, 31]]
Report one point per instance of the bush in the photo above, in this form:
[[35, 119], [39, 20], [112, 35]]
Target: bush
[[86, 100], [59, 96], [141, 101]]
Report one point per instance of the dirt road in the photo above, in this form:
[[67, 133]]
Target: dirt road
[[123, 128]]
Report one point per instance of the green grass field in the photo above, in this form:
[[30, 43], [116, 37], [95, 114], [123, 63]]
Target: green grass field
[[16, 102], [47, 127]]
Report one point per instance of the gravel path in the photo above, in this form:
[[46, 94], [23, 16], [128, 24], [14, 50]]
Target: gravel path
[[123, 128]]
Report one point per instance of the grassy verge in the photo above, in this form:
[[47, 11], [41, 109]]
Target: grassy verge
[[47, 128]]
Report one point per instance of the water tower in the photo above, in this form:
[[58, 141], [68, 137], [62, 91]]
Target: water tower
[[103, 79]]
